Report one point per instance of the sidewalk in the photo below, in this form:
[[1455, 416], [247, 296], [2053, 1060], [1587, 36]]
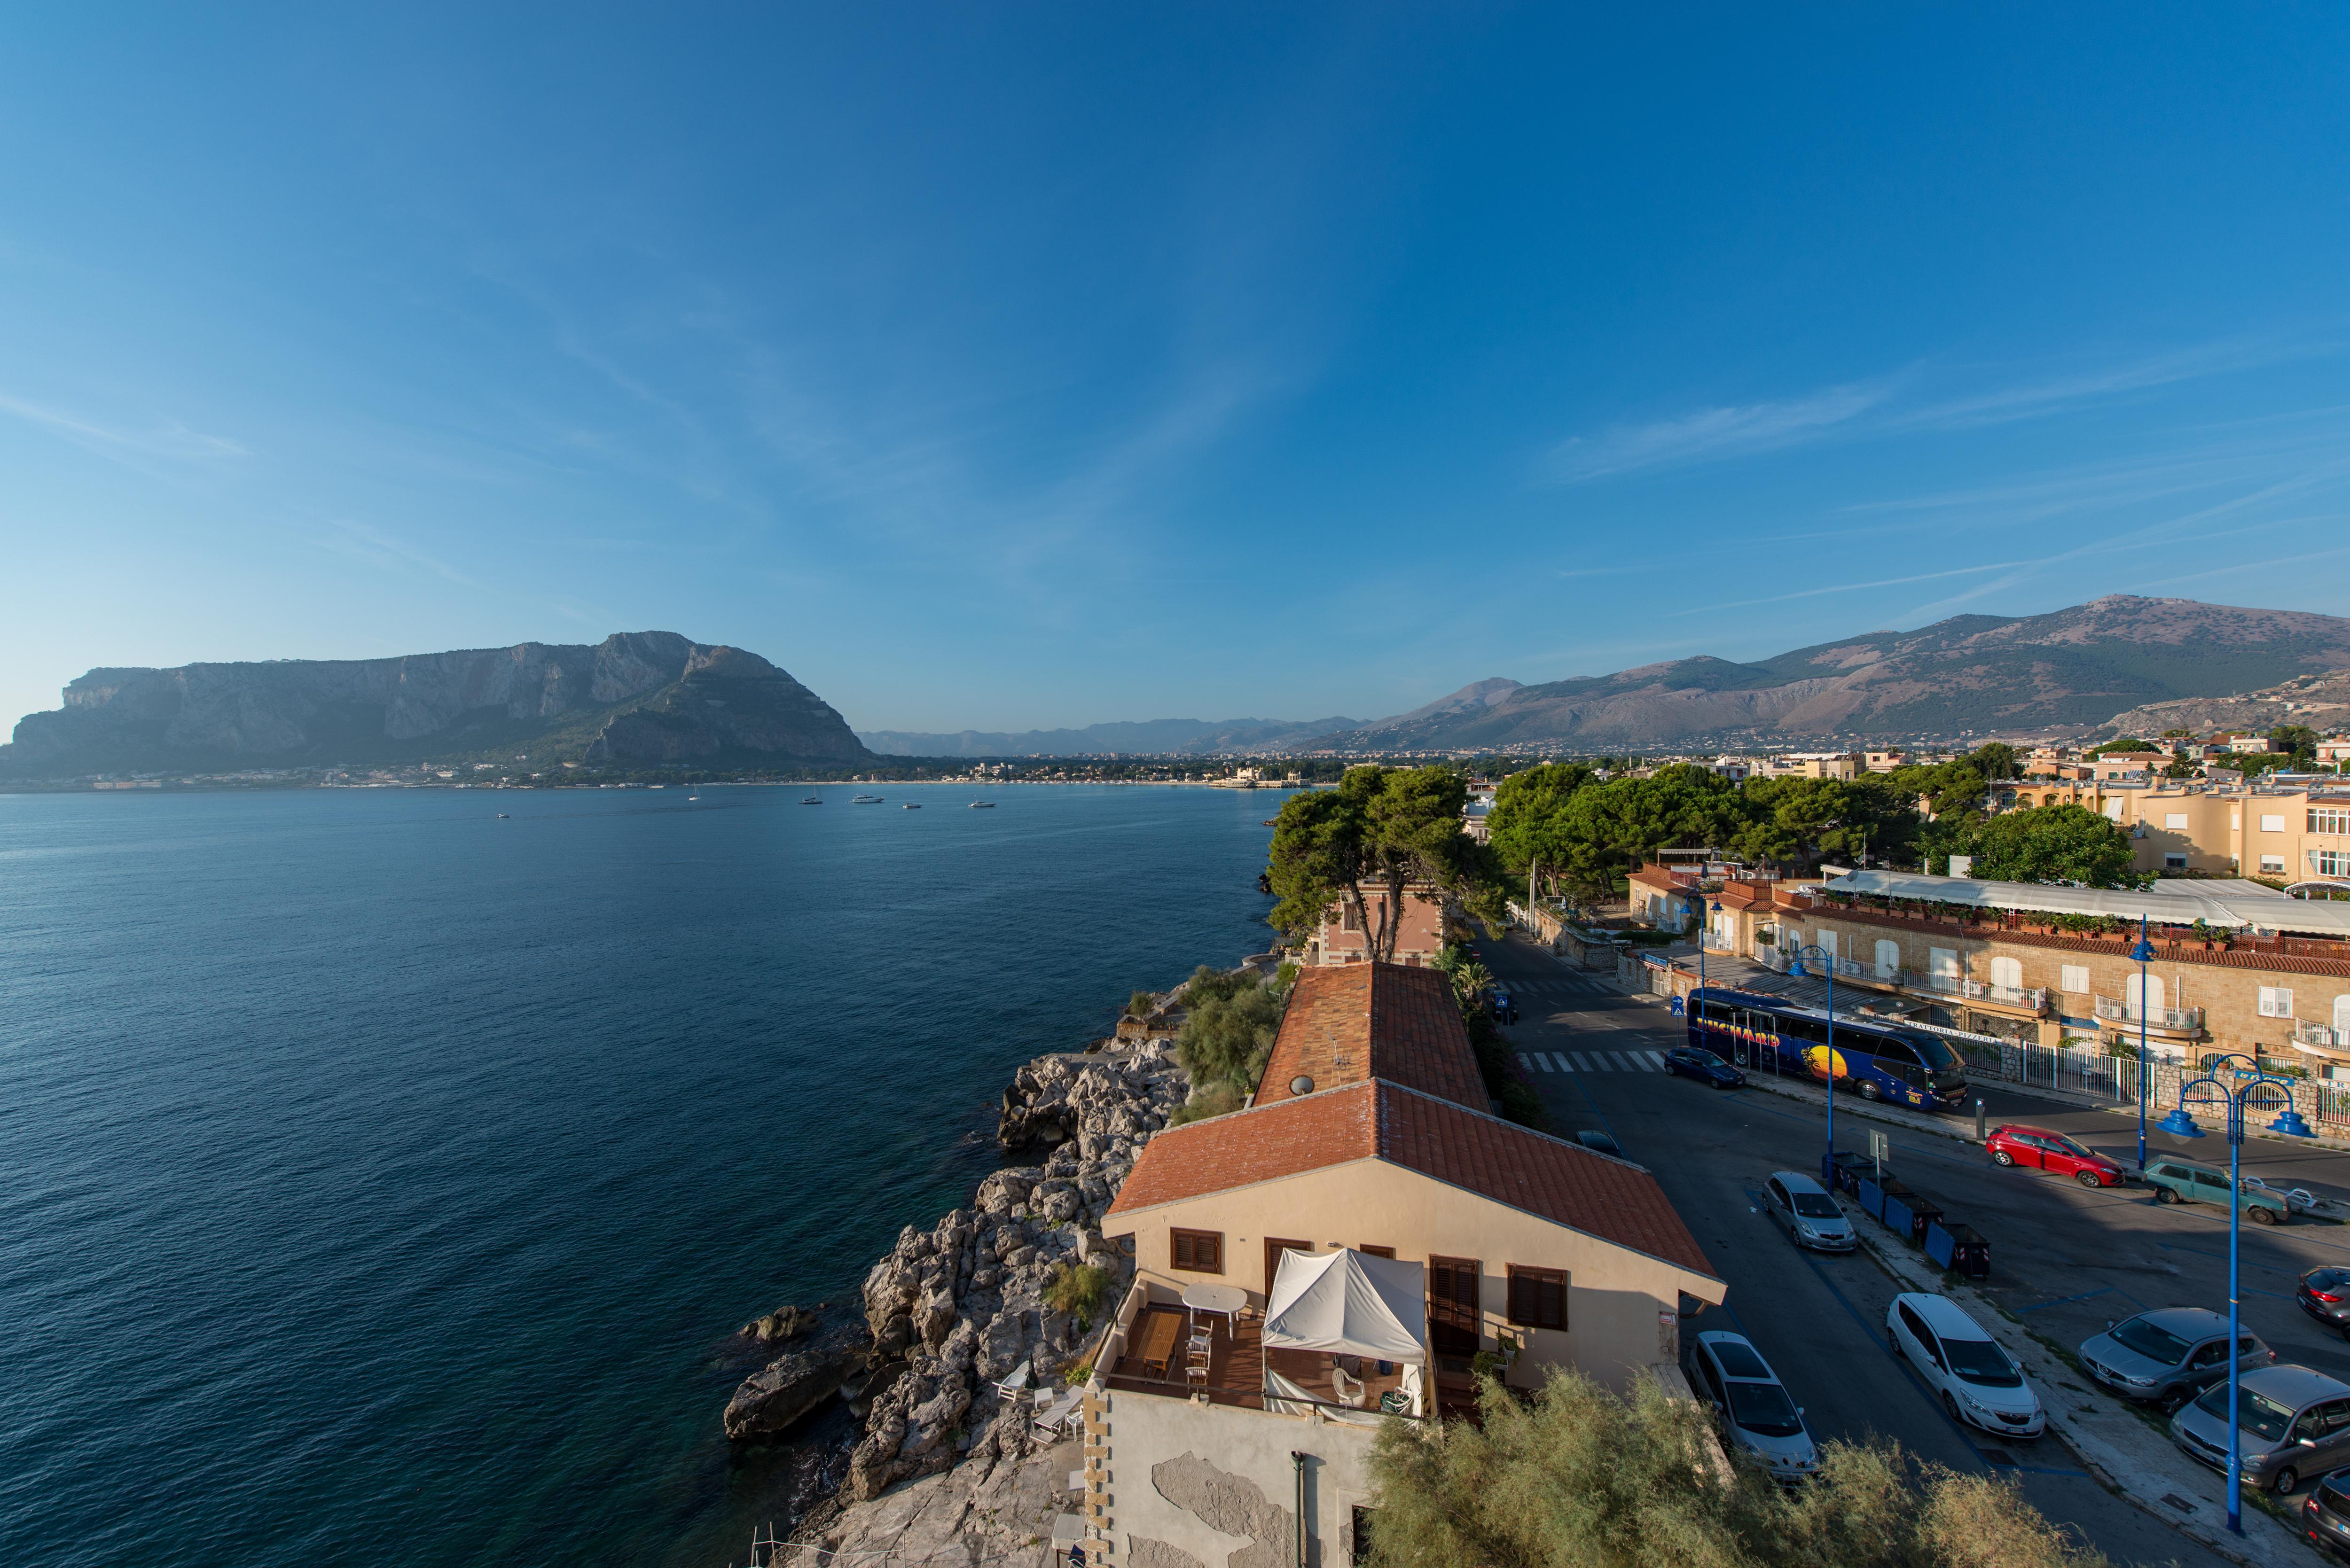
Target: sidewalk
[[2121, 1449]]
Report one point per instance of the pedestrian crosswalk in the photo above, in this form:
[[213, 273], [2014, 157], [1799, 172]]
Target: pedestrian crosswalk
[[1563, 985], [1592, 1061]]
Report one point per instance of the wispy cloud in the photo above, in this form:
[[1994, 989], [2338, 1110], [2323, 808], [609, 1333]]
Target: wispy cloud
[[1902, 402], [168, 440], [1851, 588], [1710, 434], [377, 548]]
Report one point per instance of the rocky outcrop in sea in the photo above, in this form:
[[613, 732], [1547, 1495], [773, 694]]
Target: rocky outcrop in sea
[[952, 1311]]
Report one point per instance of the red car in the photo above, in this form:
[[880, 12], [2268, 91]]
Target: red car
[[2040, 1149]]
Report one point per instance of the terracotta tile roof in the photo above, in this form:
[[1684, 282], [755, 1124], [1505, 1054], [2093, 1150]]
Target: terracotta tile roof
[[1347, 1024], [1263, 1144], [1659, 876], [1612, 1200]]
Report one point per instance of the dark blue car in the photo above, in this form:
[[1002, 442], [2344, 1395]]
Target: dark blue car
[[1688, 1062]]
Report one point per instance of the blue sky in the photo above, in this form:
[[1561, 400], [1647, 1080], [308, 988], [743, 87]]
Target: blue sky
[[1024, 365]]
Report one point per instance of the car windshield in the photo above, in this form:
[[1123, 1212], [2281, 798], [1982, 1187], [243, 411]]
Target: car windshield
[[2327, 1279], [2154, 1343], [1704, 1058], [1763, 1408], [1817, 1205], [1981, 1362], [2262, 1417], [2068, 1145]]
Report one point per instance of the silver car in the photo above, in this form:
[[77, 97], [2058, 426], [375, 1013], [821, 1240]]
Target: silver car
[[1752, 1405], [2168, 1356], [2292, 1424], [1804, 1209]]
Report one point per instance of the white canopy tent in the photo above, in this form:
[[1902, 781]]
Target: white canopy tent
[[1349, 1303]]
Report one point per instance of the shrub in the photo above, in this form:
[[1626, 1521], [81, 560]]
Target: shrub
[[1138, 1004], [1579, 1476], [1078, 1290], [1212, 1099], [1228, 1032]]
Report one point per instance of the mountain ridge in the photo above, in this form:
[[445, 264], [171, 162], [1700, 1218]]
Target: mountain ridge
[[649, 697]]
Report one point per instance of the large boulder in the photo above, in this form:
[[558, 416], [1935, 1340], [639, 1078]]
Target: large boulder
[[773, 1399]]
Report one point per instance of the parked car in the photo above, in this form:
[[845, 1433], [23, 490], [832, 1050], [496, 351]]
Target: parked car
[[2325, 1517], [1593, 1138], [2177, 1180], [1979, 1383], [2292, 1422], [1689, 1062], [2325, 1295], [1752, 1405], [2168, 1356], [1804, 1209], [2037, 1148]]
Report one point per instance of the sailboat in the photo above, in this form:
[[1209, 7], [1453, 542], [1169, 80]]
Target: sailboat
[[811, 799], [864, 800], [982, 805]]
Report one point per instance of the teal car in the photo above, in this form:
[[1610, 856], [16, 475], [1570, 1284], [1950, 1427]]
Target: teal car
[[2178, 1181]]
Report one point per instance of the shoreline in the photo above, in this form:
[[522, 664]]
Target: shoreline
[[230, 786]]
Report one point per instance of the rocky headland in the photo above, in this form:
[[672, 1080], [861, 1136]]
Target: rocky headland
[[953, 1311]]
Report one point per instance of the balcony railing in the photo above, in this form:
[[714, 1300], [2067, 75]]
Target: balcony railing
[[2307, 1033], [2033, 996], [2176, 1019]]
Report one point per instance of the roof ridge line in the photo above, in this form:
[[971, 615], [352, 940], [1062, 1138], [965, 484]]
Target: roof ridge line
[[1505, 1122]]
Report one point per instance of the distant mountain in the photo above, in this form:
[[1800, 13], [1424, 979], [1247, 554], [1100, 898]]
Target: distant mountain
[[1151, 737], [637, 697], [2073, 668], [2320, 701]]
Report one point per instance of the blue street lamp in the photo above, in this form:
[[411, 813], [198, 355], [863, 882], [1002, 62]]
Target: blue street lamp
[[2209, 1090], [2144, 954], [1704, 932], [1796, 971]]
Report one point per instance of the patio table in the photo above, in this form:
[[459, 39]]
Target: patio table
[[1224, 1300], [1159, 1342]]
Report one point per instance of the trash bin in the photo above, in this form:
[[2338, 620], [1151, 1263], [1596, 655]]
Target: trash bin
[[1872, 1197], [1923, 1211], [1958, 1248], [1842, 1171], [1894, 1212]]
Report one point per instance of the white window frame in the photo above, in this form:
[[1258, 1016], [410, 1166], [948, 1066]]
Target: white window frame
[[2076, 979], [2273, 863], [1888, 959], [2276, 1002], [2270, 823], [2174, 822]]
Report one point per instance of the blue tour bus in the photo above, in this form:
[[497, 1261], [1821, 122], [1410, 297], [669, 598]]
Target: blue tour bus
[[1876, 1061]]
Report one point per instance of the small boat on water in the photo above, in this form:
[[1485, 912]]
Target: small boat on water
[[503, 815], [811, 799], [982, 805], [694, 797], [911, 805], [860, 800]]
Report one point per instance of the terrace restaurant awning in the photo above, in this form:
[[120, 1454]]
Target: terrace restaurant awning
[[1347, 1303]]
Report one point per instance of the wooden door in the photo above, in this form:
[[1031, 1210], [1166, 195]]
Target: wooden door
[[1452, 1317], [1274, 1247]]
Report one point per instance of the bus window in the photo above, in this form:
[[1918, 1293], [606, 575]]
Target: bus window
[[1934, 1052], [1810, 1031]]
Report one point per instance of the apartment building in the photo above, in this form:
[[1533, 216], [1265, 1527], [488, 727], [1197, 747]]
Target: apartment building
[[1335, 1255], [1339, 939], [2238, 966]]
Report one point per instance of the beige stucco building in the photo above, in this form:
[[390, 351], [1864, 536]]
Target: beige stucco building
[[1369, 1138]]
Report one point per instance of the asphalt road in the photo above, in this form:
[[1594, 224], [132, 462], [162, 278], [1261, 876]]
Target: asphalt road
[[2067, 1259]]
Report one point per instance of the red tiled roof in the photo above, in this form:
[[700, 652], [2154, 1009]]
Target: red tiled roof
[[1353, 1022], [1546, 1176]]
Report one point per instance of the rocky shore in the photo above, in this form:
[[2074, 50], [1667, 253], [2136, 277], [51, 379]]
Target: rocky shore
[[953, 1311]]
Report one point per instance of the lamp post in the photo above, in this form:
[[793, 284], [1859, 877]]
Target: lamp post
[[2210, 1090], [1796, 971], [2144, 954], [1704, 926]]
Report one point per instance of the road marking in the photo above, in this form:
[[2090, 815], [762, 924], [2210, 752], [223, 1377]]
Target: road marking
[[1558, 1062], [1524, 1060], [2067, 1301], [1581, 1064]]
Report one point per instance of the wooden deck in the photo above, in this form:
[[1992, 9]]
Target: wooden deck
[[1236, 1364]]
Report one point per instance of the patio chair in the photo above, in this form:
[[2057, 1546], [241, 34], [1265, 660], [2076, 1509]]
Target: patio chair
[[1012, 1387], [1349, 1391]]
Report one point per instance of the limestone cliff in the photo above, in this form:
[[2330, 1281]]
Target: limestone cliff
[[648, 696]]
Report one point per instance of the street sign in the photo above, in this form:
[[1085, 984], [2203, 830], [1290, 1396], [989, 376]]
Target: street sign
[[1880, 1149]]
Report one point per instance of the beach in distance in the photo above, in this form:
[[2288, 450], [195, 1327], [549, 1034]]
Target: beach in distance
[[389, 1175]]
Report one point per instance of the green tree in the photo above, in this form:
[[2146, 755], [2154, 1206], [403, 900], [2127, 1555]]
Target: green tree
[[2300, 744], [1528, 807], [1229, 1028], [1995, 759], [2126, 743], [1799, 821], [1363, 844], [1580, 1477], [2053, 844]]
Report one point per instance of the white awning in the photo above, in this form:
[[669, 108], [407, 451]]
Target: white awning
[[1348, 1302], [2231, 903]]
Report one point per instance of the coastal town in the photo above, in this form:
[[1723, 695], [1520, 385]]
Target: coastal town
[[1214, 1326]]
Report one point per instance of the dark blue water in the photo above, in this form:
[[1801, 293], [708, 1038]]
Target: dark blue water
[[377, 1176]]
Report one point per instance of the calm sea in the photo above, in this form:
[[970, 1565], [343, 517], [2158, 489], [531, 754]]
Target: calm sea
[[380, 1180]]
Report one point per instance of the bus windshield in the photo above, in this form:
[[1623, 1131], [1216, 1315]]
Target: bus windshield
[[1934, 1052]]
